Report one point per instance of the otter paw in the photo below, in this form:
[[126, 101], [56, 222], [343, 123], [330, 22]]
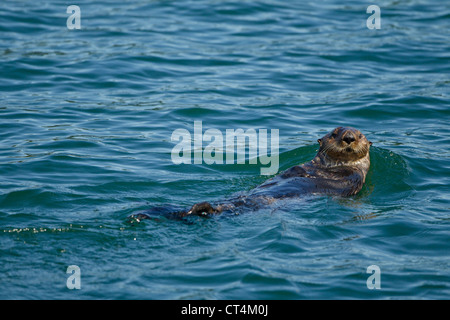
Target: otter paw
[[201, 209]]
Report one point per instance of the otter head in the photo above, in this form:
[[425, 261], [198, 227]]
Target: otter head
[[344, 145]]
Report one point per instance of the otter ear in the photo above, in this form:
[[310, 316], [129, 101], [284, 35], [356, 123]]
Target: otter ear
[[370, 142], [319, 141]]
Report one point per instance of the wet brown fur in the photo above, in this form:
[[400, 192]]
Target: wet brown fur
[[339, 168]]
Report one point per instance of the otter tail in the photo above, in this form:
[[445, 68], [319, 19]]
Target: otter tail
[[202, 209]]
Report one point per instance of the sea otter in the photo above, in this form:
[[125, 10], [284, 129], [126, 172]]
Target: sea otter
[[339, 168]]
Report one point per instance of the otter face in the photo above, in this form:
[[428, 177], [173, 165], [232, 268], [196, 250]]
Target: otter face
[[344, 144]]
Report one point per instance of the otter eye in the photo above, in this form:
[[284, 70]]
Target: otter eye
[[360, 136]]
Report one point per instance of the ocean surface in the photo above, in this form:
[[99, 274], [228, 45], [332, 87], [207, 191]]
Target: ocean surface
[[86, 123]]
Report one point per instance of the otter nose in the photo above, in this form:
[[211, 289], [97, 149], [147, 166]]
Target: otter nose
[[348, 137]]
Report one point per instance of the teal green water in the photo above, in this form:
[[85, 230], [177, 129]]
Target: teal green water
[[87, 115]]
